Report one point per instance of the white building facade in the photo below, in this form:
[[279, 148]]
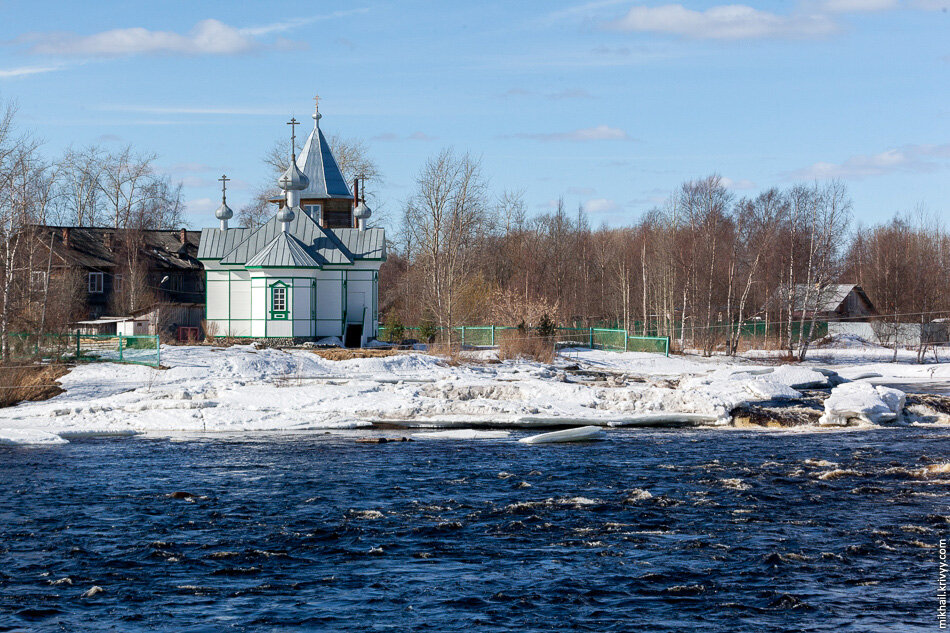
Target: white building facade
[[309, 272]]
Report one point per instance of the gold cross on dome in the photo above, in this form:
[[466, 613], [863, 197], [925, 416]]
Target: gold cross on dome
[[316, 103]]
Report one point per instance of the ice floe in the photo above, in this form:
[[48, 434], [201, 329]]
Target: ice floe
[[862, 402]]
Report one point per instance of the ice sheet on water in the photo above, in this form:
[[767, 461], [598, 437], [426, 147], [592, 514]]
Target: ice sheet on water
[[872, 404], [29, 437]]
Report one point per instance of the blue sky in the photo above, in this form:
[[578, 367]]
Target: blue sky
[[609, 104]]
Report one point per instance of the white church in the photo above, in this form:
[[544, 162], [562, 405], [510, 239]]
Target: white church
[[311, 271]]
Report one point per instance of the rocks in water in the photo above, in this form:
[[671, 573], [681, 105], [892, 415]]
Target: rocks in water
[[382, 440], [786, 413], [183, 495], [95, 589], [927, 408]]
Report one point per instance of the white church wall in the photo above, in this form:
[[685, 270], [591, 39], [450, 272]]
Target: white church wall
[[302, 307], [216, 308], [258, 307], [329, 303], [240, 288]]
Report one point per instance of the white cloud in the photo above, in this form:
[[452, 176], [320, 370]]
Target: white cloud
[[909, 158], [208, 37], [25, 71], [858, 6], [601, 205], [726, 22], [280, 27], [598, 133]]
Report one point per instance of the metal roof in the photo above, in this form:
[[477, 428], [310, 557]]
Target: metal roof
[[323, 246], [284, 251], [317, 163], [829, 299], [216, 243], [368, 244]]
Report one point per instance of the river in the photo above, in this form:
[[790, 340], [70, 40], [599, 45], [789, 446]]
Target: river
[[661, 530]]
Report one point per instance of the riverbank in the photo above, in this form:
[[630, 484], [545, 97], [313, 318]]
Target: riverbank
[[241, 388]]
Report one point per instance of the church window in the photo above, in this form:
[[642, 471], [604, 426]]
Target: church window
[[315, 211], [278, 301]]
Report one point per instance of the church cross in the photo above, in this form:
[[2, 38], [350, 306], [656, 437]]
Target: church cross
[[224, 185], [293, 123], [316, 103]]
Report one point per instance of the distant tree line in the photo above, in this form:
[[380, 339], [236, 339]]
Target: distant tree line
[[706, 268]]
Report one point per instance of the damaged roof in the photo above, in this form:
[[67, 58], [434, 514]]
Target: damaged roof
[[100, 247]]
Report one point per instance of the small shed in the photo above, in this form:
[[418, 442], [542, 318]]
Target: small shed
[[103, 325], [133, 326], [835, 302]]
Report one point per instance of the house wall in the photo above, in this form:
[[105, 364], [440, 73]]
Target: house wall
[[320, 302]]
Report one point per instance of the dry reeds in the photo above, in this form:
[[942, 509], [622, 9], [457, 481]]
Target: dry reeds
[[337, 353], [517, 344], [19, 383]]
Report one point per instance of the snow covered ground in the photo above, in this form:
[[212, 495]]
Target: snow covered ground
[[208, 389]]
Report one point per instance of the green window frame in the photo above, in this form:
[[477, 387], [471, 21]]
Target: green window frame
[[279, 301]]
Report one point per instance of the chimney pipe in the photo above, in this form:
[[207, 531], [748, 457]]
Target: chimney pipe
[[66, 237], [356, 193], [183, 236]]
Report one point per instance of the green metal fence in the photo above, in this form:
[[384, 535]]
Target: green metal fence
[[41, 347], [590, 337], [116, 348]]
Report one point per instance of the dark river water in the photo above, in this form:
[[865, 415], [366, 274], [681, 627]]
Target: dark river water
[[651, 530]]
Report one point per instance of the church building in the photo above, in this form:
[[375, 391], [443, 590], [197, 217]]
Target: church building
[[311, 271]]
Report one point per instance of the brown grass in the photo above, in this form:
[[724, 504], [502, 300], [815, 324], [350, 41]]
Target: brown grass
[[451, 352], [515, 344], [337, 353], [20, 383]]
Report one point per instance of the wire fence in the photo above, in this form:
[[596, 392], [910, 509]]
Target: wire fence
[[492, 335], [76, 347]]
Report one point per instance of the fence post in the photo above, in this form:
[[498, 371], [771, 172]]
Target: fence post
[[120, 348], [158, 352], [626, 340], [590, 335], [78, 351], [667, 346], [493, 335]]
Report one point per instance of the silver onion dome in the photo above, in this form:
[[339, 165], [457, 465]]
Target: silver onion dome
[[286, 214], [224, 212], [293, 179], [362, 212]]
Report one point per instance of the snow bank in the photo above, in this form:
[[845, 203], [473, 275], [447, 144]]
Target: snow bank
[[242, 388], [871, 404], [26, 437]]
